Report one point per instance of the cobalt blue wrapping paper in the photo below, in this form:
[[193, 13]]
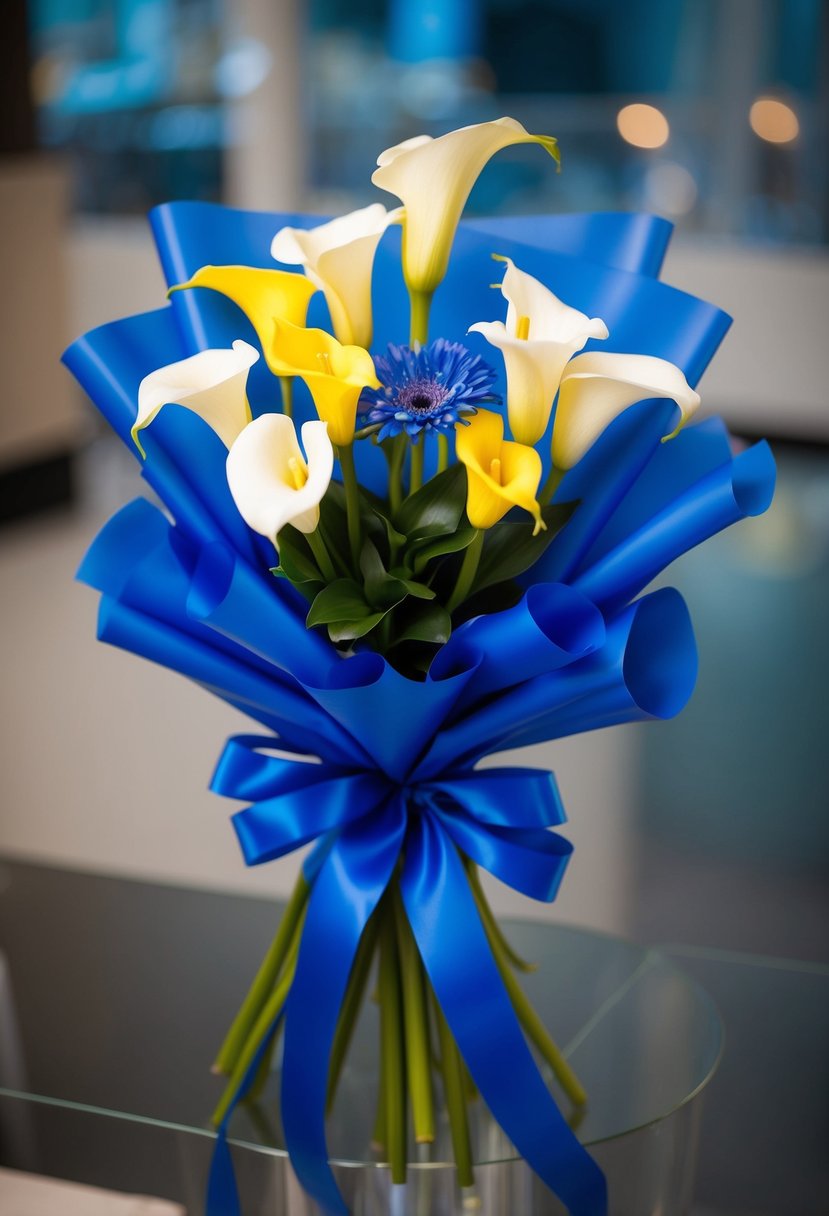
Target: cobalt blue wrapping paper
[[375, 768]]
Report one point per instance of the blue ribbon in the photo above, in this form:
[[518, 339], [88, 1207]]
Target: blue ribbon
[[500, 817]]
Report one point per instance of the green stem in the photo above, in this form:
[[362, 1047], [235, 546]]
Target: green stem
[[443, 453], [416, 466], [535, 1028], [351, 1006], [391, 1039], [468, 570], [454, 1093], [416, 1025], [487, 916], [265, 979], [317, 546], [352, 502], [550, 485], [286, 383], [421, 303], [396, 456], [270, 1011], [262, 1073]]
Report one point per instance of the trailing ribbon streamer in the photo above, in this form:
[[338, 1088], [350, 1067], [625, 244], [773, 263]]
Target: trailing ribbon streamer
[[498, 817]]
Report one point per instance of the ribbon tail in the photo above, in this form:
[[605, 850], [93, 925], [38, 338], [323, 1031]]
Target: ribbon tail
[[465, 978], [347, 889], [222, 1198]]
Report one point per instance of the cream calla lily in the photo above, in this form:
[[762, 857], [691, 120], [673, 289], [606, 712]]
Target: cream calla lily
[[338, 258], [540, 335], [598, 386], [272, 483], [433, 178], [211, 383], [500, 474]]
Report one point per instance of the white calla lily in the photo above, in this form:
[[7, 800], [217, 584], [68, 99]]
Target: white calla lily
[[539, 337], [433, 178], [338, 258], [211, 383], [272, 483], [596, 387]]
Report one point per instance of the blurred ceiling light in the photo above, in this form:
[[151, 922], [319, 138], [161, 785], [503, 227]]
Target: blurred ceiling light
[[773, 120], [670, 188], [643, 126], [242, 68]]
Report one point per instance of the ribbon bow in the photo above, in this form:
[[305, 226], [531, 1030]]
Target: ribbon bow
[[363, 822]]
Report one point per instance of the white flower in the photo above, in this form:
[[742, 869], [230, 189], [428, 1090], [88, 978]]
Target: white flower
[[598, 386], [539, 337], [433, 178], [211, 383], [271, 483], [338, 258]]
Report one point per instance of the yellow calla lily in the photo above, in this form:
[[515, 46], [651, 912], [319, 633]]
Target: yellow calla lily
[[262, 295], [600, 385], [335, 374], [501, 474], [433, 178], [338, 258], [211, 383], [539, 336]]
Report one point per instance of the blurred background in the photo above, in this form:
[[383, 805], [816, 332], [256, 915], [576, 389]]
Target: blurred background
[[711, 829]]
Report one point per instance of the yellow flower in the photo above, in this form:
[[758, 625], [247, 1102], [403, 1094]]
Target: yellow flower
[[500, 474], [338, 258], [539, 336], [262, 295], [211, 383], [335, 374], [433, 178], [600, 385]]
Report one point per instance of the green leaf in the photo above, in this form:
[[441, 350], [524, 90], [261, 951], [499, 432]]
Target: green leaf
[[436, 508], [340, 601], [295, 559], [424, 623], [419, 590], [347, 631], [383, 590], [510, 548], [424, 551]]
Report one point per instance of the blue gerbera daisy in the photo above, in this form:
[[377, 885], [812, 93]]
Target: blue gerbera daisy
[[426, 388]]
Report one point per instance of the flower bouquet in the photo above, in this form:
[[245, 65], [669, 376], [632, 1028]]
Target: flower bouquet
[[353, 554]]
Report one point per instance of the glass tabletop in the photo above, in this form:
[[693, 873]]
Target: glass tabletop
[[121, 990]]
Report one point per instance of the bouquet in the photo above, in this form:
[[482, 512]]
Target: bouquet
[[405, 523]]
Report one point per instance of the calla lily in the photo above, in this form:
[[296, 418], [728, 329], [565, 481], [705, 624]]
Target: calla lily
[[540, 335], [500, 474], [433, 178], [338, 258], [336, 375], [598, 386], [269, 478], [262, 295], [211, 383]]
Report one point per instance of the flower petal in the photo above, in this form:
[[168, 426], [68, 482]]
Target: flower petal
[[535, 360], [211, 384], [262, 296], [433, 178], [338, 257], [598, 386], [262, 480], [489, 498]]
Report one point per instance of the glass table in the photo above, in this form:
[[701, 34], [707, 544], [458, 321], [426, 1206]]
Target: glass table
[[116, 993]]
